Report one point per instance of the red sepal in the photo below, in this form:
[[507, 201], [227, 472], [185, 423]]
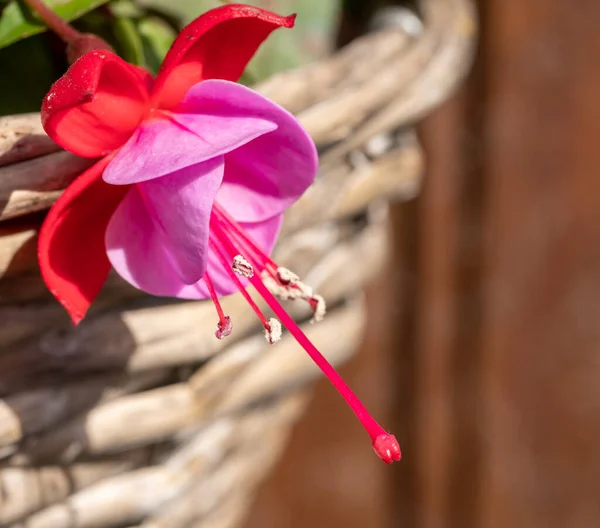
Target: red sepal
[[95, 106], [71, 250], [217, 45]]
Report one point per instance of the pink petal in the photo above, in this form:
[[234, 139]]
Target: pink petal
[[263, 233], [264, 176], [163, 145], [157, 239]]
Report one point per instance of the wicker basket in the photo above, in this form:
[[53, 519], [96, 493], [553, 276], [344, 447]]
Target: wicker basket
[[140, 416]]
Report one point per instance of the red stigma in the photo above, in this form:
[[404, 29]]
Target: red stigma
[[387, 448]]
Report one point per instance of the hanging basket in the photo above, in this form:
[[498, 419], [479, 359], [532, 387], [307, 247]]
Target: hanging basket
[[139, 416]]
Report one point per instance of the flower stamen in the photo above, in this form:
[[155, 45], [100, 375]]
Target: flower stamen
[[224, 262], [286, 277], [242, 267], [319, 308], [224, 326], [276, 288], [281, 282], [250, 248], [384, 444], [273, 331]]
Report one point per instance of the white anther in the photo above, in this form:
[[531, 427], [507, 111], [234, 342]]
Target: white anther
[[271, 284], [290, 294], [284, 293], [273, 331], [285, 276], [224, 328], [319, 308], [306, 292], [242, 267]]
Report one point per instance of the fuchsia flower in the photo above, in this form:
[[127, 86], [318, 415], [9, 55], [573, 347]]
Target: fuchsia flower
[[194, 176]]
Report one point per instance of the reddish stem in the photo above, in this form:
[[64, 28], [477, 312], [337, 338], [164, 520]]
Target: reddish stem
[[215, 298], [62, 28], [78, 43]]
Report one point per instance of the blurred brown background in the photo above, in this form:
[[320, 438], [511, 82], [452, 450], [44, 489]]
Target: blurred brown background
[[483, 352]]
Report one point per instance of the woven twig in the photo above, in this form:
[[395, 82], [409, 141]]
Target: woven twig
[[36, 183], [130, 497], [241, 472], [157, 414], [258, 370], [26, 489], [33, 411], [432, 68], [22, 137]]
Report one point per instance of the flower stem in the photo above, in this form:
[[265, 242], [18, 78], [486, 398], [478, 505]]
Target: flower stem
[[62, 28], [77, 43], [215, 298]]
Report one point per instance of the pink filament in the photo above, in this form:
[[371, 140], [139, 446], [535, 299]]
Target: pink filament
[[224, 262], [215, 299], [256, 255], [384, 444]]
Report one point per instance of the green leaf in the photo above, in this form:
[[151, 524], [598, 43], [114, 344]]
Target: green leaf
[[17, 22], [129, 40], [126, 9], [157, 37]]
